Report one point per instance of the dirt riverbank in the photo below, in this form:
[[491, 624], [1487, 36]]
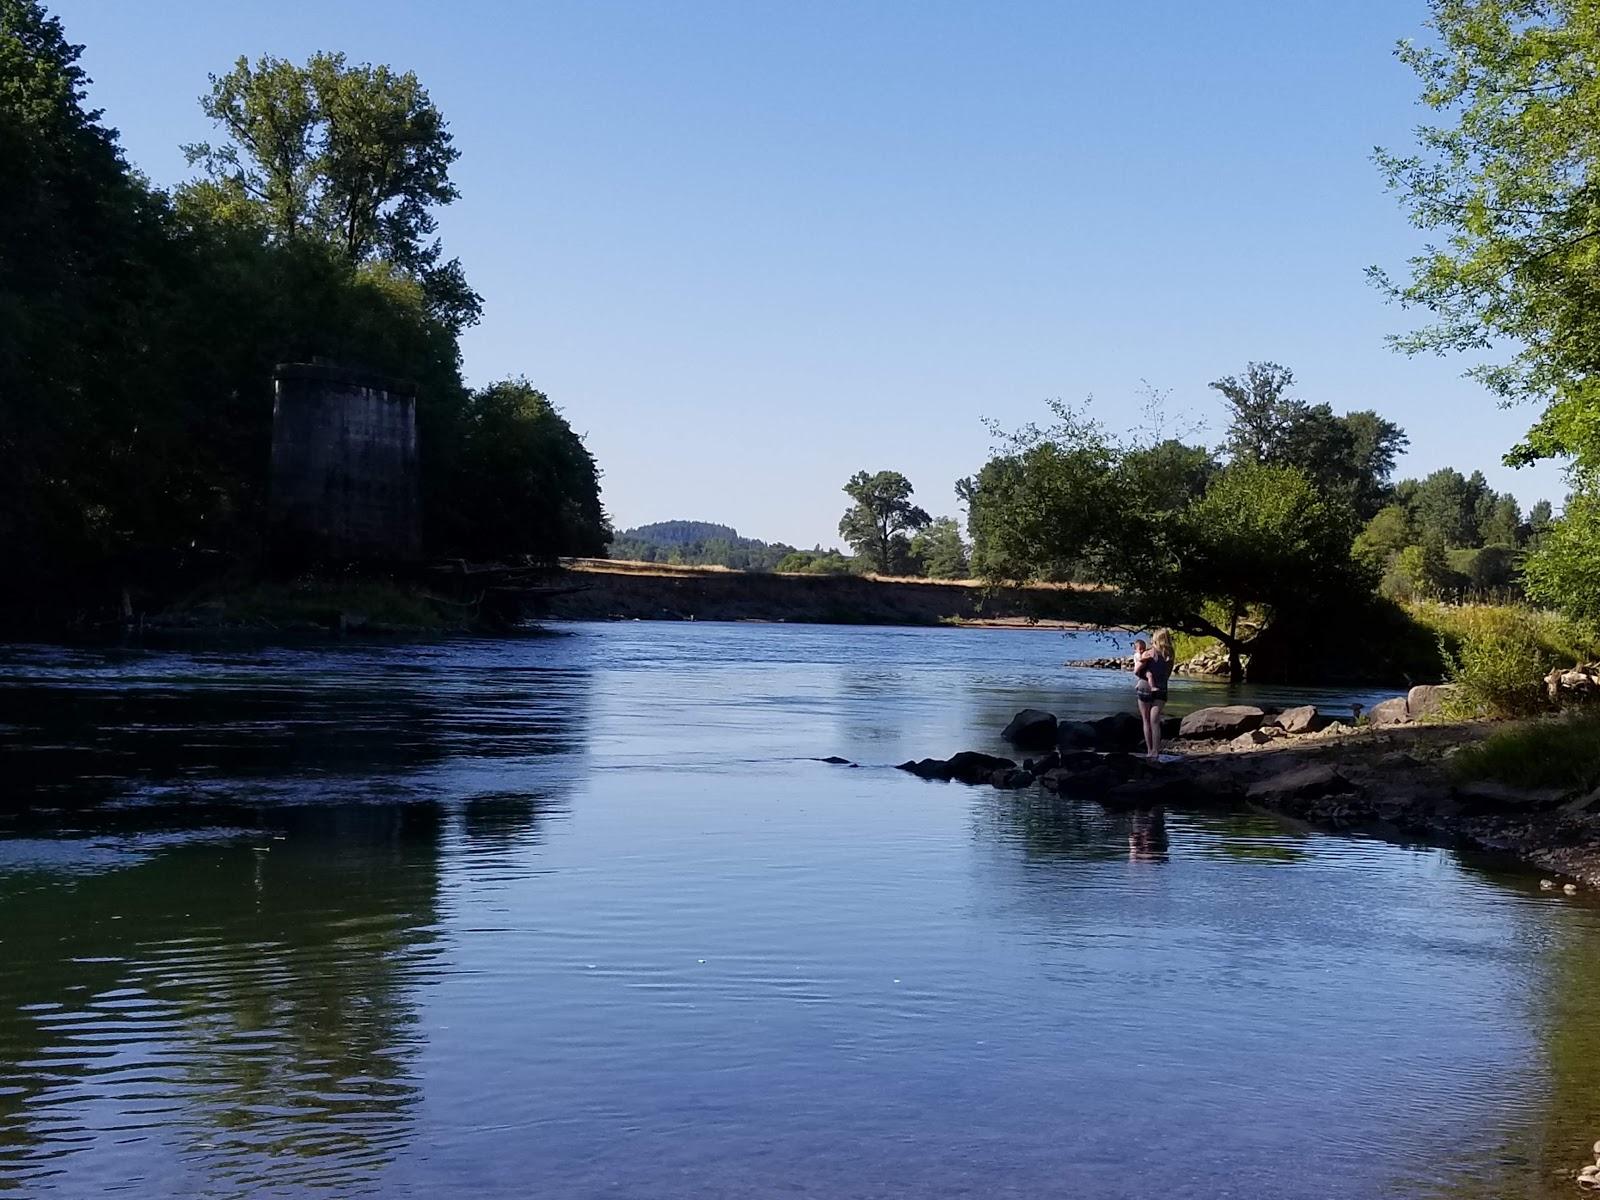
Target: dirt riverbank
[[598, 589]]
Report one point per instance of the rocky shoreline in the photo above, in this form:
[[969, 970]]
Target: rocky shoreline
[[1388, 777]]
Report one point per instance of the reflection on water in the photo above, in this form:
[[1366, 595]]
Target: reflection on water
[[578, 915]]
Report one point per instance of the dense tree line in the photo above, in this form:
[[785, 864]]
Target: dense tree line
[[139, 328], [698, 543], [1451, 535], [1241, 543], [888, 533]]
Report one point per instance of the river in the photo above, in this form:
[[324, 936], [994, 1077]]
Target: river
[[582, 915]]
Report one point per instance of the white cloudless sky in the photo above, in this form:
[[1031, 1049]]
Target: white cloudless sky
[[752, 247]]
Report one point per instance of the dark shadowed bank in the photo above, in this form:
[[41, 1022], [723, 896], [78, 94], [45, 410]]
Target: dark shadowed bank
[[1467, 784]]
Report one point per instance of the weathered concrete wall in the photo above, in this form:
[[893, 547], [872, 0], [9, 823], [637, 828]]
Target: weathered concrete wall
[[344, 465]]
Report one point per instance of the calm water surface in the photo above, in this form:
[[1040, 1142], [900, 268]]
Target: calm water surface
[[580, 915]]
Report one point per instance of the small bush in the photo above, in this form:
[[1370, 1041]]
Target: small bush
[[1499, 669], [1562, 752]]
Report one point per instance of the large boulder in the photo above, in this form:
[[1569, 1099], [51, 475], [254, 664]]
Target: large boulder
[[1428, 699], [1298, 720], [1300, 783], [1031, 729], [1389, 712], [1223, 721], [1072, 736], [1119, 731]]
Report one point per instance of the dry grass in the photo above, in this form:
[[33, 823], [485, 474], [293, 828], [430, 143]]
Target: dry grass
[[619, 566]]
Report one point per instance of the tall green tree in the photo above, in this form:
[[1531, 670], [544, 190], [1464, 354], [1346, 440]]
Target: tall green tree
[[939, 550], [1563, 571], [1349, 457], [523, 481], [356, 157], [85, 405], [1508, 176], [1224, 553], [879, 518]]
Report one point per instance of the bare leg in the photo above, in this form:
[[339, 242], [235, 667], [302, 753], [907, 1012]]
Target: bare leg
[[1144, 720], [1153, 737]]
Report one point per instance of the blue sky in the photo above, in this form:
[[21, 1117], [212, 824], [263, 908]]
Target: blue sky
[[753, 247]]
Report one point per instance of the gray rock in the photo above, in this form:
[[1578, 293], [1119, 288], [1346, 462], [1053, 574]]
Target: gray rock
[[1259, 737], [1223, 721], [1301, 783], [1490, 796], [1428, 699], [1031, 729], [1298, 720], [1389, 712]]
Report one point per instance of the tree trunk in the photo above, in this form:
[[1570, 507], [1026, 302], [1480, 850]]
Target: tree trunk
[[1235, 670]]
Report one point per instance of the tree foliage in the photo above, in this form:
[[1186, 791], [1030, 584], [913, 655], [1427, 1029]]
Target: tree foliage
[[938, 551], [1508, 175], [879, 518], [698, 543], [354, 157], [138, 331], [1351, 456], [1221, 551], [1563, 569], [524, 483]]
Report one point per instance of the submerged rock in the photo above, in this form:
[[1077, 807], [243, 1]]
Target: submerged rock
[[1031, 729], [1221, 721], [969, 766], [1011, 778]]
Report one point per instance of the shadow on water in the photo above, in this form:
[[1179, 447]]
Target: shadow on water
[[227, 962], [84, 727]]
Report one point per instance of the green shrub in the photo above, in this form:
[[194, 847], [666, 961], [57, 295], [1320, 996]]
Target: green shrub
[[1561, 639], [1561, 752], [1499, 667]]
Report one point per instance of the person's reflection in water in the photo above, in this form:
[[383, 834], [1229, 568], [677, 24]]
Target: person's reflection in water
[[1147, 836]]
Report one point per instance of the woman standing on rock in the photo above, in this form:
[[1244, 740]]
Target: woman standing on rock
[[1151, 672]]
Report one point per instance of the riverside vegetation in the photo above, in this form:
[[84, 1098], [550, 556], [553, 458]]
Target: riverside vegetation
[[142, 327], [139, 328]]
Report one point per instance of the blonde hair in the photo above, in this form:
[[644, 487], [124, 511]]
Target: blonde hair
[[1161, 640]]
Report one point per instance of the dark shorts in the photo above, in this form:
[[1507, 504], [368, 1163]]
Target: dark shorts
[[1153, 697]]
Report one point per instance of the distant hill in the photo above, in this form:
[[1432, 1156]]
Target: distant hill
[[696, 544]]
